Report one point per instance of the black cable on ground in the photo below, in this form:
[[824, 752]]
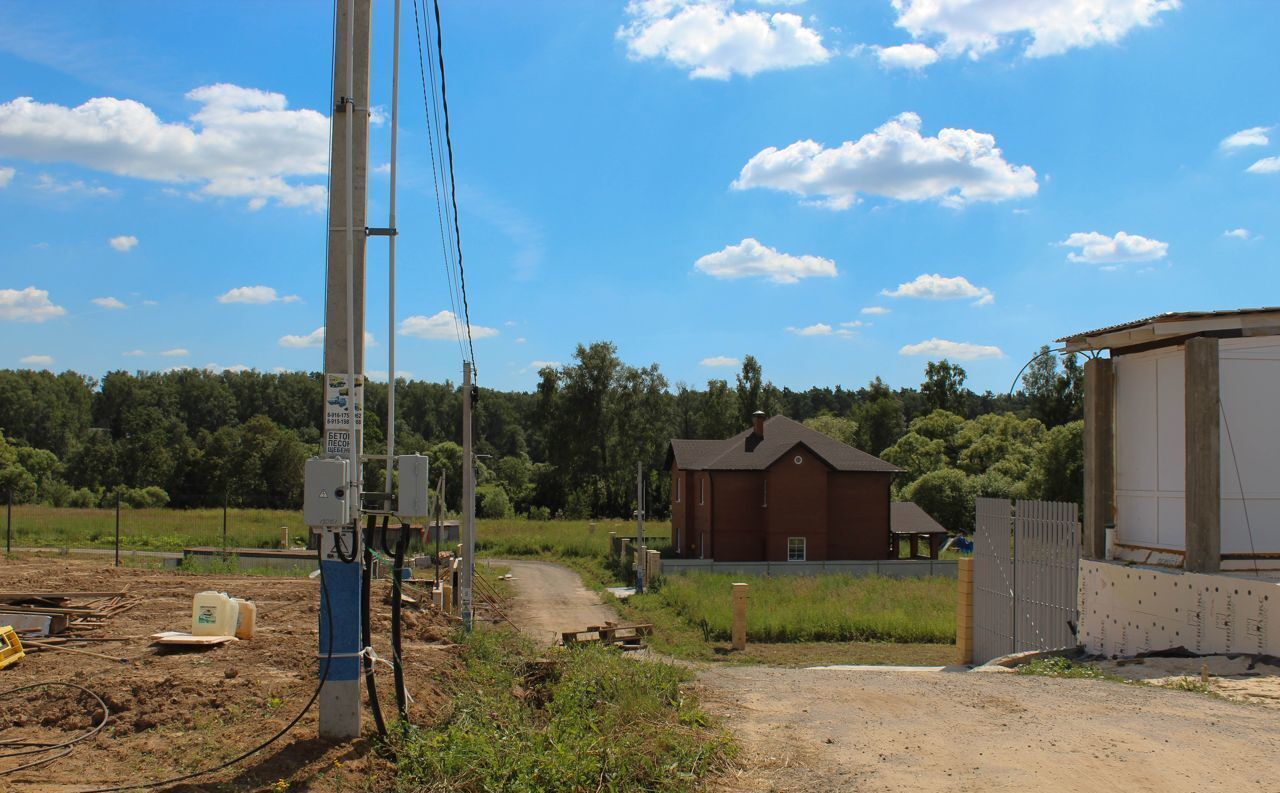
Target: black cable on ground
[[397, 587], [68, 745], [366, 630], [324, 676]]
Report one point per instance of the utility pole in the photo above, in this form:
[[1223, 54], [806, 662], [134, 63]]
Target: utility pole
[[344, 367], [468, 500], [641, 556]]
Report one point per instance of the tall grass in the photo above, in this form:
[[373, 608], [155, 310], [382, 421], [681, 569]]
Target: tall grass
[[568, 539], [41, 526], [815, 608]]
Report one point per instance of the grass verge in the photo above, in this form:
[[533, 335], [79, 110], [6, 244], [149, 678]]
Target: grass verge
[[563, 720]]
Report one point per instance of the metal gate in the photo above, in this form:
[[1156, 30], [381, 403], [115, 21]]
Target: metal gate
[[1026, 557]]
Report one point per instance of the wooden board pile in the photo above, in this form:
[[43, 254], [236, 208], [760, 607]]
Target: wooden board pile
[[56, 617], [625, 637]]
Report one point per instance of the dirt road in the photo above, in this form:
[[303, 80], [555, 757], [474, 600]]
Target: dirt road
[[811, 731], [550, 598]]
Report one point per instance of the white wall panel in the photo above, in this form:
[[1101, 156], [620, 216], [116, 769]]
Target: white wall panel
[[1250, 437]]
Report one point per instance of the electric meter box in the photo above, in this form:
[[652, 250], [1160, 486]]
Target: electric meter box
[[325, 500], [414, 484]]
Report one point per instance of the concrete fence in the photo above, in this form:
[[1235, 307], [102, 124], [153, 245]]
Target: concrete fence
[[895, 568]]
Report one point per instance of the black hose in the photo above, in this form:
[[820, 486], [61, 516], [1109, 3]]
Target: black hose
[[366, 630], [397, 667], [68, 745]]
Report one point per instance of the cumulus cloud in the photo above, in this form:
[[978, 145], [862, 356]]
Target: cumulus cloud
[[6, 176], [176, 352], [874, 310], [711, 40], [36, 360], [959, 350], [751, 259], [1098, 248], [441, 325], [124, 243], [907, 56], [28, 305], [108, 302], [239, 143], [1241, 234], [939, 287], [219, 369], [1265, 165], [821, 329], [49, 184], [895, 161], [979, 27], [1253, 136], [719, 360], [255, 295], [313, 339]]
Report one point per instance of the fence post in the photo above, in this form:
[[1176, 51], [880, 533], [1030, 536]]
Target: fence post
[[8, 526], [739, 632], [964, 611], [117, 528], [226, 496]]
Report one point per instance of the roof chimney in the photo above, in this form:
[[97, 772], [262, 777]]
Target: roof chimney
[[757, 420]]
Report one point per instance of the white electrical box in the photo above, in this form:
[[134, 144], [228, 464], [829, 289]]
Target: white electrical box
[[325, 501], [414, 485]]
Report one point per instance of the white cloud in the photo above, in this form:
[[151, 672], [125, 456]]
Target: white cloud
[[521, 340], [711, 40], [821, 329], [27, 305], [313, 339], [907, 56], [874, 310], [978, 27], [857, 323], [441, 325], [1253, 136], [108, 302], [719, 360], [37, 360], [959, 350], [1265, 165], [1241, 234], [538, 366], [939, 287], [240, 142], [134, 353], [124, 243], [219, 369], [1098, 248], [383, 168], [176, 352], [380, 375], [749, 258], [255, 295], [895, 161], [49, 184], [6, 176]]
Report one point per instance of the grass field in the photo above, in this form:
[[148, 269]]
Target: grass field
[[36, 525]]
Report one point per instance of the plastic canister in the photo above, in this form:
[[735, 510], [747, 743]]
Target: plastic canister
[[246, 618], [213, 614]]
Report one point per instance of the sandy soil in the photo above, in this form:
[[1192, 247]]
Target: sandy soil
[[1238, 678], [816, 731], [550, 598], [174, 712]]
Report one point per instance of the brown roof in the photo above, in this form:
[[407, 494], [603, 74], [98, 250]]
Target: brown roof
[[906, 517], [781, 434], [1167, 317]]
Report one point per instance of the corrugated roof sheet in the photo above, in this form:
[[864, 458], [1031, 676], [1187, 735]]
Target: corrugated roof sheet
[[781, 434], [1169, 316], [906, 517]]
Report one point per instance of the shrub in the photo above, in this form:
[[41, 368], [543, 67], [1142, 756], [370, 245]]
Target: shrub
[[539, 513], [82, 498], [493, 502], [144, 497]]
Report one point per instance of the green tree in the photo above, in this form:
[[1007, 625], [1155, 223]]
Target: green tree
[[879, 419], [1001, 442], [720, 412], [943, 386], [941, 425], [843, 430], [1057, 472], [750, 390], [946, 495], [1055, 397], [917, 454]]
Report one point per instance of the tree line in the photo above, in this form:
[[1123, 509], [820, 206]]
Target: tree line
[[571, 447]]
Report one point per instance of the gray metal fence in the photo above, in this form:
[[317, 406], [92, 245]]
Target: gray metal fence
[[1026, 563]]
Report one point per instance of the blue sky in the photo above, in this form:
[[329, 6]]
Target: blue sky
[[694, 181]]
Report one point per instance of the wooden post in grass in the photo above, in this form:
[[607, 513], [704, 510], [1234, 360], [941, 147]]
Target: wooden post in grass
[[117, 528], [964, 611], [284, 537], [739, 632], [653, 568]]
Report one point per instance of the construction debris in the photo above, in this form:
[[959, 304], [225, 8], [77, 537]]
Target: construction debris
[[626, 637], [11, 651]]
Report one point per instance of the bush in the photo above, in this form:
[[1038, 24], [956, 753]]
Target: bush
[[947, 495], [539, 513], [144, 497], [493, 502], [82, 498]]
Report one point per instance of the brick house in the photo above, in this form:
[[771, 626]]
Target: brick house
[[778, 491]]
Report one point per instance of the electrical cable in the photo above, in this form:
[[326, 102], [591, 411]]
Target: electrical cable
[[1034, 358], [324, 677], [397, 666], [39, 748], [366, 630], [1244, 502]]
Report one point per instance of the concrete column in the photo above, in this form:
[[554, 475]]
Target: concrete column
[[613, 543], [624, 551], [964, 611], [1204, 457], [654, 567], [739, 631], [1099, 455]]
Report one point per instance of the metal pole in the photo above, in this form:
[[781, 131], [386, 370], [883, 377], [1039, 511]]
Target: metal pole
[[117, 528], [341, 553], [8, 526], [391, 255], [468, 500], [640, 562], [226, 498]]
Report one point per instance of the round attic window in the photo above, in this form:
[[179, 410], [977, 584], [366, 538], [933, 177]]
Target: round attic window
[[799, 459]]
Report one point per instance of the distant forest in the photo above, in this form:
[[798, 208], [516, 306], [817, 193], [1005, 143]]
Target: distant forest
[[567, 449]]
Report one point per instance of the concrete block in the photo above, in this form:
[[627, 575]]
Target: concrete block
[[739, 629]]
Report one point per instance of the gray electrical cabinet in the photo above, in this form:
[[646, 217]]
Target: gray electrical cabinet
[[325, 501], [414, 485]]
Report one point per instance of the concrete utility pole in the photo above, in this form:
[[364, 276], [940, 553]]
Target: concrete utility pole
[[468, 501], [640, 563], [344, 366]]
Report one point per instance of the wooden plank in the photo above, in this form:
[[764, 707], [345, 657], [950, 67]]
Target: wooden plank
[[186, 639]]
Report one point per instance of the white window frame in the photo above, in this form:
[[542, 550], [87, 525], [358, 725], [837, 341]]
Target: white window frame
[[804, 549], [702, 491], [679, 479]]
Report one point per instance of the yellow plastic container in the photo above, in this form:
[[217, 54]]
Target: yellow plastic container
[[11, 651], [213, 614], [246, 618]]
